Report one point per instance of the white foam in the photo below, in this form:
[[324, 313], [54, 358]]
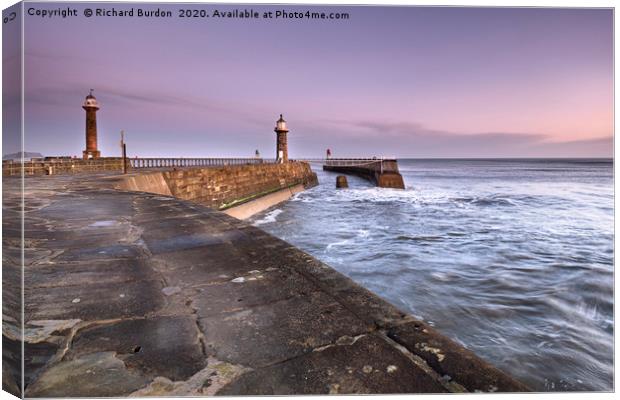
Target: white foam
[[340, 243], [363, 233], [269, 218], [374, 195], [440, 276], [103, 223]]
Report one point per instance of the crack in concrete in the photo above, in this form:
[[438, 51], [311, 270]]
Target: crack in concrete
[[448, 384], [341, 341], [206, 382], [42, 330]]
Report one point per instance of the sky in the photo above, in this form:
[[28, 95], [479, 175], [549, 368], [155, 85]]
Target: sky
[[388, 81]]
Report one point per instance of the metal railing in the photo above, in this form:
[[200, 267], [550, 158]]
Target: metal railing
[[193, 162], [348, 161], [52, 166], [59, 165], [352, 162], [377, 164]]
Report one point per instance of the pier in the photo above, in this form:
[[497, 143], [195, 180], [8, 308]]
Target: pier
[[139, 277], [135, 293], [383, 172]]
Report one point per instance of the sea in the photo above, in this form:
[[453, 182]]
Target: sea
[[513, 259]]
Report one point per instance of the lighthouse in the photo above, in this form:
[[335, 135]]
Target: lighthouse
[[91, 106], [281, 145]]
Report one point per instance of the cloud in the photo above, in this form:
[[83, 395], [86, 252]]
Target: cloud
[[67, 95], [352, 138], [597, 147]]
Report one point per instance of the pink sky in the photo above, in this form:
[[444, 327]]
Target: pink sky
[[409, 82]]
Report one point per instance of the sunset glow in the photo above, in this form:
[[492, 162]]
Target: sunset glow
[[409, 82]]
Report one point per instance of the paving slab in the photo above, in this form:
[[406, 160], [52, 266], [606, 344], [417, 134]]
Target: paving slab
[[250, 289], [364, 364], [97, 301], [271, 333], [86, 273], [94, 375], [162, 346]]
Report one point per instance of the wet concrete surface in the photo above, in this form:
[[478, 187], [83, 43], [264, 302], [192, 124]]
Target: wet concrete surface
[[136, 293]]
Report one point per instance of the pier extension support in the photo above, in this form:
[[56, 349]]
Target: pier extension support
[[341, 182], [383, 172]]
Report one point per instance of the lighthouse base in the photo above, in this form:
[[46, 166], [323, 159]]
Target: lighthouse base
[[89, 154]]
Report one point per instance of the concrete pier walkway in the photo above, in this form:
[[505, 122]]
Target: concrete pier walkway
[[131, 293]]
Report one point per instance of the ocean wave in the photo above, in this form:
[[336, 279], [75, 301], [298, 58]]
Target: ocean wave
[[269, 218], [486, 201], [420, 238], [361, 234], [339, 243], [425, 197]]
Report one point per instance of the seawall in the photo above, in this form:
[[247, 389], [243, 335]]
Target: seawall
[[238, 190], [134, 293]]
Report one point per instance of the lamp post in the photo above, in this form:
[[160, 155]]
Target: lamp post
[[124, 152]]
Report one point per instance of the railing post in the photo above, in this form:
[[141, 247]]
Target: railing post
[[124, 158]]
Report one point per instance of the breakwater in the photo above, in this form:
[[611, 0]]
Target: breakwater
[[240, 187], [226, 187], [382, 172], [135, 293]]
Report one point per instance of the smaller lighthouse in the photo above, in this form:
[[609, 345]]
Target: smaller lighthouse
[[281, 146], [91, 106]]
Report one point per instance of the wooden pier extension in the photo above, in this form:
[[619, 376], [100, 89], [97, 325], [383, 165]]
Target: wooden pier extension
[[383, 172]]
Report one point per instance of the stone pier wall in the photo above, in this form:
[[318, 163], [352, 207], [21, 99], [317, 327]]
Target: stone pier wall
[[223, 187]]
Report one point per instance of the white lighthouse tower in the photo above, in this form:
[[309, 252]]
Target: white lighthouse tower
[[281, 143]]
